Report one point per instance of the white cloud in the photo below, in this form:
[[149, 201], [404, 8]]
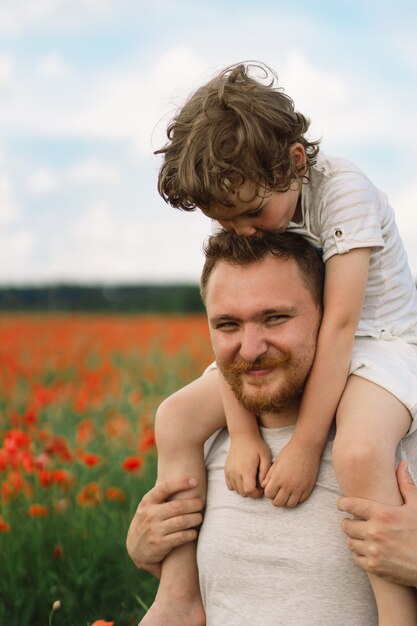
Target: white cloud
[[92, 170], [52, 66], [6, 69], [100, 227], [341, 113], [9, 211], [16, 242], [21, 16], [99, 245], [175, 74], [125, 103], [405, 204], [105, 245], [128, 97], [42, 181], [16, 248]]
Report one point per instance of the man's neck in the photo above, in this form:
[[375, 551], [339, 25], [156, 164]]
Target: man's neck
[[285, 417]]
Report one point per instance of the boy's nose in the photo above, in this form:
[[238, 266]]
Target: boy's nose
[[244, 231]]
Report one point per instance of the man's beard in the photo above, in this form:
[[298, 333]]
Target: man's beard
[[293, 375]]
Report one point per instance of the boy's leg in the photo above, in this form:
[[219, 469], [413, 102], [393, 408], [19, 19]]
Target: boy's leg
[[183, 423], [370, 424]]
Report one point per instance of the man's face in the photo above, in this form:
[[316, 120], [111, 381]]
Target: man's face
[[263, 325]]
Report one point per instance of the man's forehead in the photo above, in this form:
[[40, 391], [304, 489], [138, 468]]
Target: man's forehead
[[271, 265], [273, 279]]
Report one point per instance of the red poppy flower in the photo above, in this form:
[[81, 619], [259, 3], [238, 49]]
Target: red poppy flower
[[147, 440], [58, 551], [90, 495], [37, 510], [89, 459], [85, 430], [132, 464], [4, 526], [62, 477], [115, 494], [44, 477]]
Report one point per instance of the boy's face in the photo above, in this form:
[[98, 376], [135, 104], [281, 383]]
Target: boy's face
[[272, 212], [251, 214]]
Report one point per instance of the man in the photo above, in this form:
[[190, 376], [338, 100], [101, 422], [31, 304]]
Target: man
[[258, 564]]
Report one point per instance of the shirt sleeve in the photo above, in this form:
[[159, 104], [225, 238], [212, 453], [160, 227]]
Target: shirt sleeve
[[349, 214]]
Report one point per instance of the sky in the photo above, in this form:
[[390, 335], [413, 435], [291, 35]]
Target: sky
[[87, 88]]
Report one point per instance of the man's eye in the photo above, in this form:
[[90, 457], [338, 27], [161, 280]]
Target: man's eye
[[278, 318], [226, 326]]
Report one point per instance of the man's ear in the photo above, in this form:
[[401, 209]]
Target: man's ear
[[298, 158]]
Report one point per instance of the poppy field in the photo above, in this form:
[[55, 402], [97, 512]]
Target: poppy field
[[78, 396]]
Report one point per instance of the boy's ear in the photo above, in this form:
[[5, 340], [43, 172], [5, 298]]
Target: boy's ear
[[298, 157]]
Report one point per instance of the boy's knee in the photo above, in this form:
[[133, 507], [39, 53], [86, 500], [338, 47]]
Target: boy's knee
[[173, 421], [167, 419], [355, 458]]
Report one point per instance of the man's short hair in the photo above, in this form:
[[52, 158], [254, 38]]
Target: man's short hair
[[227, 247]]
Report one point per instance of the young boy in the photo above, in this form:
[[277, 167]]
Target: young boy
[[237, 151]]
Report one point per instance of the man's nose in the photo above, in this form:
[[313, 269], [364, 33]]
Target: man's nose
[[253, 344]]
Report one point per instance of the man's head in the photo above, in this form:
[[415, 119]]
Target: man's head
[[237, 129], [263, 297]]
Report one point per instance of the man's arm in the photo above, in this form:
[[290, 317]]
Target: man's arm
[[384, 538], [158, 525]]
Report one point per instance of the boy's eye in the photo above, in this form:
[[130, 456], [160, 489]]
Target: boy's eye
[[254, 213]]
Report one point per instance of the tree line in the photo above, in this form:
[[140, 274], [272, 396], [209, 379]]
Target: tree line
[[100, 298]]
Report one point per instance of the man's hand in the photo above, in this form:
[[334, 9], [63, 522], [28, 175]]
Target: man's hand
[[384, 539], [158, 526], [247, 464], [292, 476]]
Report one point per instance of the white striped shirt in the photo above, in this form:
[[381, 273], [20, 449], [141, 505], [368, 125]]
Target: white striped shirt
[[343, 210]]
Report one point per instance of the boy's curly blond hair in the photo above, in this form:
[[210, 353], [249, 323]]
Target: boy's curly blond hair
[[232, 130]]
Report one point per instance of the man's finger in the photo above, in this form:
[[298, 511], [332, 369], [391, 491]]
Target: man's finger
[[181, 507], [360, 507], [405, 482], [181, 522], [354, 528], [179, 538], [166, 489], [356, 546]]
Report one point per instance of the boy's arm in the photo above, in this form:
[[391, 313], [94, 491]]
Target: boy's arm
[[293, 475], [249, 455]]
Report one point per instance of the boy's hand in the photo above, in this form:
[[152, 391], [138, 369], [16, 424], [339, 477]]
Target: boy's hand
[[247, 465], [292, 476]]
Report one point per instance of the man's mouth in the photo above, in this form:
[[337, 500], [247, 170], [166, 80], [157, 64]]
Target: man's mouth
[[258, 372]]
